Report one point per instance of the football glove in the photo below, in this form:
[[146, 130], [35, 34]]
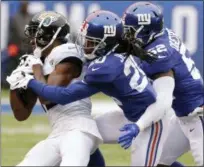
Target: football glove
[[30, 60], [37, 52], [26, 63], [19, 79], [131, 131]]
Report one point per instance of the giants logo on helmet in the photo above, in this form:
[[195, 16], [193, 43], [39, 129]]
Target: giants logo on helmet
[[109, 30], [144, 19]]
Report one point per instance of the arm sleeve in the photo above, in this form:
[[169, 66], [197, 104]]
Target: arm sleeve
[[63, 95], [164, 88]]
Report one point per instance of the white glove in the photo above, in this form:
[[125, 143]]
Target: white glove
[[32, 60], [37, 52], [23, 65], [19, 79], [26, 63]]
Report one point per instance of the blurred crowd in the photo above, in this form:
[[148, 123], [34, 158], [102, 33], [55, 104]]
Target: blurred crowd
[[17, 43]]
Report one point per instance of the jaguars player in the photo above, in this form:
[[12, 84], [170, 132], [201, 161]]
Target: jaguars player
[[74, 134], [118, 76], [144, 22]]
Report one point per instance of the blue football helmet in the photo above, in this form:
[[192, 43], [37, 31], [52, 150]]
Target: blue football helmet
[[143, 21], [100, 33]]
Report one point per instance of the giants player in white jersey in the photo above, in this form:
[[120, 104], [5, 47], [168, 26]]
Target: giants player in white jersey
[[74, 136]]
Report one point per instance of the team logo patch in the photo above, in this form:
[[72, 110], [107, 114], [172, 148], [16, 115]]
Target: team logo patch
[[47, 21], [48, 17], [144, 19], [109, 30], [51, 62]]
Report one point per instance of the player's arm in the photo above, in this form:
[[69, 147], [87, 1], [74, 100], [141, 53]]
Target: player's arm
[[22, 103], [38, 74], [163, 85], [63, 95], [161, 71], [64, 73]]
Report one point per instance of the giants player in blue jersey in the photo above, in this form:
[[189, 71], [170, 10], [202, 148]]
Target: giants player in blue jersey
[[144, 22], [116, 75], [165, 60]]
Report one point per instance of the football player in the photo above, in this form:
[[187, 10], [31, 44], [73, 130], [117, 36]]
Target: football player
[[166, 61], [116, 75], [144, 22], [74, 136]]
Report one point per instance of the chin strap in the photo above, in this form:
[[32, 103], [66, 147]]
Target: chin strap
[[38, 51]]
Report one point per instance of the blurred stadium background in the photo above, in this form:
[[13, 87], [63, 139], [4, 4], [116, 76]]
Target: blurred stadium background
[[184, 17]]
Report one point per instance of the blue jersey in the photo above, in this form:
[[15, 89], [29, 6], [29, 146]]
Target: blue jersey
[[120, 77], [173, 55], [115, 75]]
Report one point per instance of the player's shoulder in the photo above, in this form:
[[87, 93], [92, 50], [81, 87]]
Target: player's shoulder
[[166, 47], [160, 46], [64, 51], [110, 62], [105, 68]]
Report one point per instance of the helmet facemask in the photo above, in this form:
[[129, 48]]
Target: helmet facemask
[[37, 34], [140, 34], [99, 34], [90, 46]]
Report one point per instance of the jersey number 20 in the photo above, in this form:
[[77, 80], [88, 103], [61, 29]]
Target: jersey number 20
[[138, 74]]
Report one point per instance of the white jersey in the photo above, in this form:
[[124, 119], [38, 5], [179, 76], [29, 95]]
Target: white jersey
[[75, 115]]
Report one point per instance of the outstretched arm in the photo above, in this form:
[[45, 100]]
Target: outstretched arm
[[63, 95], [164, 86], [64, 72]]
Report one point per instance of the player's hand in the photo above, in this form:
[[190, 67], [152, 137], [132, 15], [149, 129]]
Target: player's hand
[[26, 64], [131, 131], [37, 52], [32, 60], [19, 79], [23, 65]]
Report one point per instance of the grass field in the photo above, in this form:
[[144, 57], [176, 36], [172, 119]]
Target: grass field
[[18, 137]]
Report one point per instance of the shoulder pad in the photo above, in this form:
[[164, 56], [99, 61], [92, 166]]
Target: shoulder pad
[[165, 54], [104, 69], [62, 52]]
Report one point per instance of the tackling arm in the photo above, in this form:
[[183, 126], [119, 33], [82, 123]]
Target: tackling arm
[[63, 95], [63, 74], [164, 86]]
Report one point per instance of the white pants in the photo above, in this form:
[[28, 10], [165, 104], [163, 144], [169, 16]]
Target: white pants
[[146, 148], [70, 149], [109, 124], [185, 133]]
